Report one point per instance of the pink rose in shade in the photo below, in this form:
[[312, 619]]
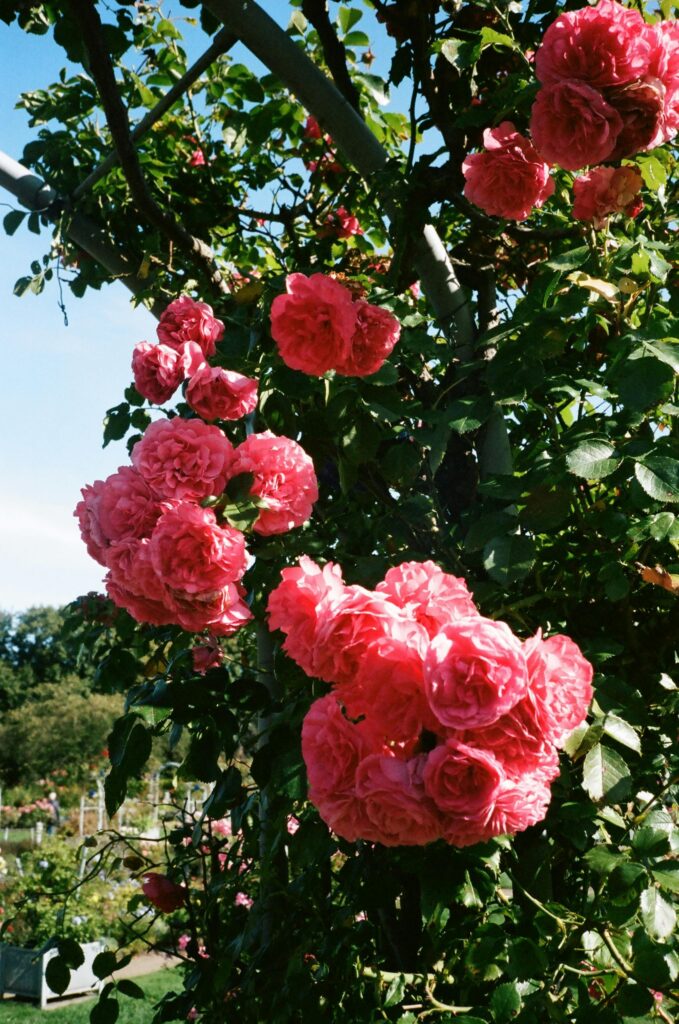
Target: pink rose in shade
[[396, 808], [292, 606], [517, 741], [313, 323], [332, 747], [162, 893], [217, 394], [474, 671], [292, 825], [222, 612], [312, 129], [203, 658], [375, 334], [560, 685], [132, 584], [87, 514], [241, 899], [284, 478], [197, 158], [159, 369], [187, 320], [664, 67], [389, 690], [427, 594], [641, 106], [183, 459], [509, 178], [604, 46], [348, 625], [462, 780], [572, 125], [604, 191], [182, 942], [191, 553], [341, 224]]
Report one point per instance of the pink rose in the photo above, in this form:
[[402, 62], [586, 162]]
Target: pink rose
[[427, 594], [181, 458], [203, 658], [474, 672], [346, 627], [197, 158], [332, 748], [284, 478], [163, 893], [641, 106], [560, 685], [603, 46], [520, 803], [341, 224], [396, 808], [292, 606], [517, 741], [241, 899], [120, 507], [664, 67], [187, 320], [217, 394], [191, 553], [376, 331], [389, 691], [313, 323], [312, 129], [606, 190], [462, 780], [572, 125], [509, 179], [223, 612], [132, 583], [159, 369]]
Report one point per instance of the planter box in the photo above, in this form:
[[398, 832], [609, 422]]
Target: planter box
[[22, 973]]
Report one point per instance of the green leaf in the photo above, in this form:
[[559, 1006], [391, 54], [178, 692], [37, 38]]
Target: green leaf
[[396, 991], [509, 560], [605, 774], [644, 383], [131, 989], [356, 39], [505, 1002], [225, 794], [12, 220], [104, 964], [57, 975], [659, 477], [603, 859], [667, 879], [348, 17], [622, 732], [468, 414], [652, 171], [658, 915], [461, 53], [593, 460], [570, 260], [71, 953]]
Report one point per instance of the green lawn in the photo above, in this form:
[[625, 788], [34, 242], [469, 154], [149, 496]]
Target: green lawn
[[132, 1011]]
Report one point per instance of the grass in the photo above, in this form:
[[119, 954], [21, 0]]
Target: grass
[[132, 1011]]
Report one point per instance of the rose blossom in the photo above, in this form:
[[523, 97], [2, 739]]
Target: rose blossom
[[341, 224], [641, 106], [292, 606], [159, 369], [572, 125], [197, 158], [560, 684], [427, 594], [181, 458], [162, 893], [191, 553], [375, 333], [132, 583], [222, 612], [203, 658], [332, 748], [187, 320], [284, 478], [396, 808], [603, 46], [664, 67], [389, 690], [312, 129], [474, 671], [509, 179], [461, 779], [217, 394], [606, 190], [117, 508], [313, 323], [517, 741]]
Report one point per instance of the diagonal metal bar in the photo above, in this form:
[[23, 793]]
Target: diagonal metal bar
[[35, 194], [223, 42]]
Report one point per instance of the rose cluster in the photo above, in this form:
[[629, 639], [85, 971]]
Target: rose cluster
[[609, 88], [320, 325], [441, 723], [171, 559]]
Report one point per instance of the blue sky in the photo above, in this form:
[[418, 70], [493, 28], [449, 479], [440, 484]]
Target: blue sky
[[58, 380]]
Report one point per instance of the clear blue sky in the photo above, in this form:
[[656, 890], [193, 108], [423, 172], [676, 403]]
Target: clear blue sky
[[58, 380]]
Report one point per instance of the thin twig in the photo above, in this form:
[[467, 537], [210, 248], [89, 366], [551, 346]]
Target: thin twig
[[333, 50]]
